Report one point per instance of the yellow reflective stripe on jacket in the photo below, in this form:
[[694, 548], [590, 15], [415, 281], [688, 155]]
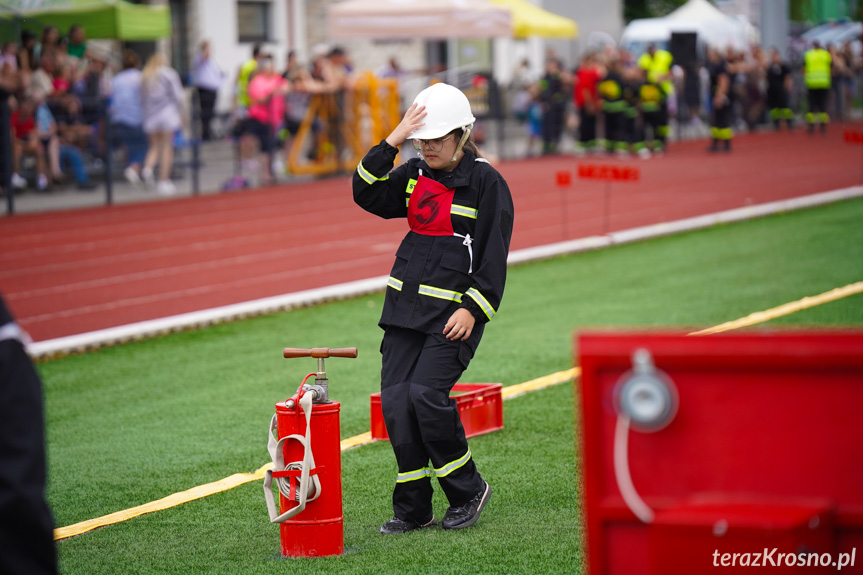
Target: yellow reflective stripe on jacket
[[452, 465], [414, 475], [368, 177], [394, 283], [449, 295], [440, 293], [409, 190], [481, 301], [463, 211]]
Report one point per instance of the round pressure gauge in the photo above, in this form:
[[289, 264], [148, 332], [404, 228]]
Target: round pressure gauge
[[646, 395]]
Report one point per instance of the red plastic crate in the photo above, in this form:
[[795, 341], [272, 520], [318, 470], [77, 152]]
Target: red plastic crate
[[480, 408]]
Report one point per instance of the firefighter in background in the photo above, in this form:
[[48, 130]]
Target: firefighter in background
[[552, 98], [586, 100], [657, 65], [244, 77], [613, 108], [446, 284], [817, 77], [720, 85], [631, 124], [779, 84], [652, 99]]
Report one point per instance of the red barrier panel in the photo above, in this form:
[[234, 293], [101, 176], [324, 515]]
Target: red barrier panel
[[608, 172], [852, 137], [763, 457], [564, 178]]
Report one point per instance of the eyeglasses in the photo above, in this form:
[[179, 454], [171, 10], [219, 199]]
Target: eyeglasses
[[435, 145]]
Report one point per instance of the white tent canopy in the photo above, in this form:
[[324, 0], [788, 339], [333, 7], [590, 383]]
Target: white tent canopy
[[698, 11], [394, 19], [712, 26]]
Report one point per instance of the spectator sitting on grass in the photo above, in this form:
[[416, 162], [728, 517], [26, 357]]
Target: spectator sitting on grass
[[26, 142], [49, 44], [8, 57], [73, 128], [76, 44], [60, 153], [41, 83], [26, 59]]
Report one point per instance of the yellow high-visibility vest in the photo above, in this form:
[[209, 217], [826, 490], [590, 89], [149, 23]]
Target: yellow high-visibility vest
[[243, 82], [658, 65], [817, 68]]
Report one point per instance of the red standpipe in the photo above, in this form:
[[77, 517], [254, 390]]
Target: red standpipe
[[317, 531]]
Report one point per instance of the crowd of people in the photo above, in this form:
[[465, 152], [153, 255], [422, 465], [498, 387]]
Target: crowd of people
[[71, 106], [58, 90], [270, 105], [53, 86], [615, 103]]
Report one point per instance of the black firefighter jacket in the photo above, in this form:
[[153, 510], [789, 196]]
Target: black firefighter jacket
[[434, 275]]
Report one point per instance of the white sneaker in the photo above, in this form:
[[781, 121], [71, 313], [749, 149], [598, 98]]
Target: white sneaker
[[644, 154], [147, 176], [166, 188], [42, 182], [18, 181], [132, 176]]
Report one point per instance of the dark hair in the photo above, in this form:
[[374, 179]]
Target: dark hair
[[131, 59], [48, 29], [469, 145], [256, 49]]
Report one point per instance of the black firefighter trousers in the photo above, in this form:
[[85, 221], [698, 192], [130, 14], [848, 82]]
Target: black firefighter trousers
[[418, 371]]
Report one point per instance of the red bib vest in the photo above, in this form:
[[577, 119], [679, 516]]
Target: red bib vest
[[429, 208]]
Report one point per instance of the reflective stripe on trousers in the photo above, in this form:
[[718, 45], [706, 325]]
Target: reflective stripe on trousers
[[442, 471]]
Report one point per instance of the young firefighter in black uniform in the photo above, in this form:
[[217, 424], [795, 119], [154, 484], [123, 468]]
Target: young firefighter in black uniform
[[552, 98], [779, 91], [446, 283], [631, 128], [613, 107], [652, 99], [720, 85]]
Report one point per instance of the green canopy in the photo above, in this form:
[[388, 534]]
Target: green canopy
[[114, 19]]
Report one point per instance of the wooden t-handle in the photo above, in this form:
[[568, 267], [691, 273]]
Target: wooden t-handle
[[291, 352]]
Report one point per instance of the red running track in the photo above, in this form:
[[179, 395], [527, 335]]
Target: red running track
[[72, 272]]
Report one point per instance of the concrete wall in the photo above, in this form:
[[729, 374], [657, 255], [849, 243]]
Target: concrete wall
[[596, 21]]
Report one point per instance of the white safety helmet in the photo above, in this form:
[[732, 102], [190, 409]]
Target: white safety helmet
[[447, 108]]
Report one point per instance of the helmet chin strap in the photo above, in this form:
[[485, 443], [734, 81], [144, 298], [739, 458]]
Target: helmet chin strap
[[465, 135]]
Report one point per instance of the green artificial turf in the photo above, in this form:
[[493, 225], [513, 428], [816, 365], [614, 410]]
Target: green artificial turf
[[134, 423]]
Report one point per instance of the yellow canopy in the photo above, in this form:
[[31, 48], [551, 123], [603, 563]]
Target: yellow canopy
[[529, 20]]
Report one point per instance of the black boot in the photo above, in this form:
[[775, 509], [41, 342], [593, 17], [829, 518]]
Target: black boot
[[467, 514], [397, 526]]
